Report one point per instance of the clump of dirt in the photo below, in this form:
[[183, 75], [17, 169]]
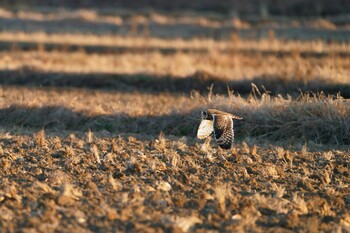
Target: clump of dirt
[[98, 183]]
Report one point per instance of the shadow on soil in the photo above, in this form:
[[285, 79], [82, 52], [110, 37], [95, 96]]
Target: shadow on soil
[[145, 83], [176, 124]]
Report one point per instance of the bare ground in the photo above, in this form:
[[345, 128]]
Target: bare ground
[[110, 183]]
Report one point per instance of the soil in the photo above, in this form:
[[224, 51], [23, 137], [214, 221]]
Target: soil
[[91, 183]]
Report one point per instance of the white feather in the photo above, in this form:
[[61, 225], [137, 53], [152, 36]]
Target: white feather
[[205, 129]]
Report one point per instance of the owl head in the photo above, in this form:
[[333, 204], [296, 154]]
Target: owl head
[[206, 115]]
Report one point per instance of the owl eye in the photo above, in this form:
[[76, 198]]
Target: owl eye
[[204, 114]]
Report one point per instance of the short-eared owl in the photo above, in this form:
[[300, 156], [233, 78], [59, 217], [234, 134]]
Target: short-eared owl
[[221, 123]]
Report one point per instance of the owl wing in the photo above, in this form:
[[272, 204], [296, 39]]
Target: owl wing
[[205, 129], [223, 130], [234, 117]]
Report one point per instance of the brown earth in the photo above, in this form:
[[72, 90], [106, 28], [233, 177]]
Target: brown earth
[[108, 183]]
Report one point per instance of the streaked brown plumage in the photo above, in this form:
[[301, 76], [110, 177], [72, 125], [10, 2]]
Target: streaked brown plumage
[[219, 122]]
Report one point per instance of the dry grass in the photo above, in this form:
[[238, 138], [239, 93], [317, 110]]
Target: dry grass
[[119, 17], [153, 91], [231, 67], [235, 44], [317, 119]]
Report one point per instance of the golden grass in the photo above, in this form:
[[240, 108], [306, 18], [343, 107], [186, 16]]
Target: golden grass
[[310, 119], [264, 44], [226, 66], [149, 87], [87, 15]]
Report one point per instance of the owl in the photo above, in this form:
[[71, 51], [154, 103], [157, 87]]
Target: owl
[[221, 123]]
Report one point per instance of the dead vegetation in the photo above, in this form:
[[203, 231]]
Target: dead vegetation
[[235, 43], [230, 67], [319, 119]]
